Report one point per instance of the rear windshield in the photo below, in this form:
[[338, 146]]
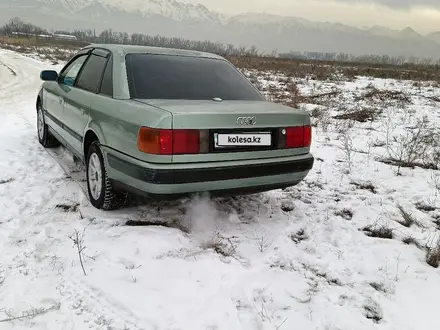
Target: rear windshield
[[188, 78]]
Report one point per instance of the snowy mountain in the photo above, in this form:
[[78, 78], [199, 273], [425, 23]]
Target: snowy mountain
[[145, 8], [406, 33], [382, 31], [434, 36], [409, 33], [176, 19]]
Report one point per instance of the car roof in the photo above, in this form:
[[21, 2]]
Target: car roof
[[130, 49]]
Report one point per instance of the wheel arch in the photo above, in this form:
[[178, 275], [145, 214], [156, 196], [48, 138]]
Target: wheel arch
[[89, 138], [39, 99]]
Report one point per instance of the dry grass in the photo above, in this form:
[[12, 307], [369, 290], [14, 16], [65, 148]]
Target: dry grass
[[409, 240], [33, 41], [377, 231], [407, 219], [365, 186], [292, 68], [362, 114], [376, 95], [329, 70]]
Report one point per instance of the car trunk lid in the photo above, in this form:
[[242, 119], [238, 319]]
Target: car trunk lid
[[224, 114], [224, 124]]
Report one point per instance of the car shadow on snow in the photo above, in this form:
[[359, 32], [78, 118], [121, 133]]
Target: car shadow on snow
[[178, 213]]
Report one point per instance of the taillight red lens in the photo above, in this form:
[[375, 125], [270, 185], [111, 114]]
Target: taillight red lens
[[307, 136], [186, 141], [298, 137], [167, 141]]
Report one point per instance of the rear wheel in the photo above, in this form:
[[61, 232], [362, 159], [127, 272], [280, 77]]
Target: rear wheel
[[102, 195], [46, 139]]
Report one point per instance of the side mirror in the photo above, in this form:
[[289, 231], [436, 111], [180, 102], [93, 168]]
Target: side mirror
[[49, 75]]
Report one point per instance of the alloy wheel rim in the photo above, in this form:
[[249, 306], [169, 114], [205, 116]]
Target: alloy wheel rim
[[95, 176], [40, 123]]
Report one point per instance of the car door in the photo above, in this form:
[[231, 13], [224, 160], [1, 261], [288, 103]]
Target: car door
[[79, 98], [66, 82], [53, 93]]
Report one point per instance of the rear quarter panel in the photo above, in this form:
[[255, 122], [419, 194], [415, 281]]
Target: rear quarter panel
[[117, 123]]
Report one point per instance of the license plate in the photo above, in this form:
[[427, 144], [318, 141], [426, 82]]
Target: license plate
[[242, 140]]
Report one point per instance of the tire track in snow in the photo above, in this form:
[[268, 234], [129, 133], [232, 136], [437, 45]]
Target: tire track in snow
[[9, 68], [7, 80], [97, 306], [34, 214], [23, 68]]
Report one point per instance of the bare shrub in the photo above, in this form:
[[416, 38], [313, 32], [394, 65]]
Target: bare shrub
[[433, 254], [299, 236], [253, 78], [412, 148], [345, 213], [435, 182], [436, 221], [372, 310], [78, 242], [385, 97], [221, 245], [310, 292], [378, 287], [263, 242], [347, 144], [294, 93], [322, 118], [288, 95]]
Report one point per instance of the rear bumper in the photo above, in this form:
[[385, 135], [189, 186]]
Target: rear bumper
[[218, 178]]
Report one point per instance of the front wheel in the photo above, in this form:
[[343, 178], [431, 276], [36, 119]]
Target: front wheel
[[44, 137], [102, 195]]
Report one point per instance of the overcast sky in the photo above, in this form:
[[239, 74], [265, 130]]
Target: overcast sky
[[422, 15]]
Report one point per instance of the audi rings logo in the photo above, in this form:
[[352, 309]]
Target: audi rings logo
[[246, 120]]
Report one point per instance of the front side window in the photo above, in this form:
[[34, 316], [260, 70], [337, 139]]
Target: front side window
[[153, 76], [90, 78], [69, 74]]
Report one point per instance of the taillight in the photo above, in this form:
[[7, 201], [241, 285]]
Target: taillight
[[186, 141], [298, 137], [168, 141], [307, 136]]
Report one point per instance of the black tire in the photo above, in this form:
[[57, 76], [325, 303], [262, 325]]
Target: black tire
[[46, 139], [108, 198]]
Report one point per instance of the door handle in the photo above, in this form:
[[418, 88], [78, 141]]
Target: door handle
[[61, 100]]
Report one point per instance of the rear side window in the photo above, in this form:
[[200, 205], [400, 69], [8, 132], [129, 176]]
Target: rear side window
[[188, 78], [107, 79], [90, 76]]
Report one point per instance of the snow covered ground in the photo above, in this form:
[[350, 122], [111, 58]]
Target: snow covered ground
[[295, 259]]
